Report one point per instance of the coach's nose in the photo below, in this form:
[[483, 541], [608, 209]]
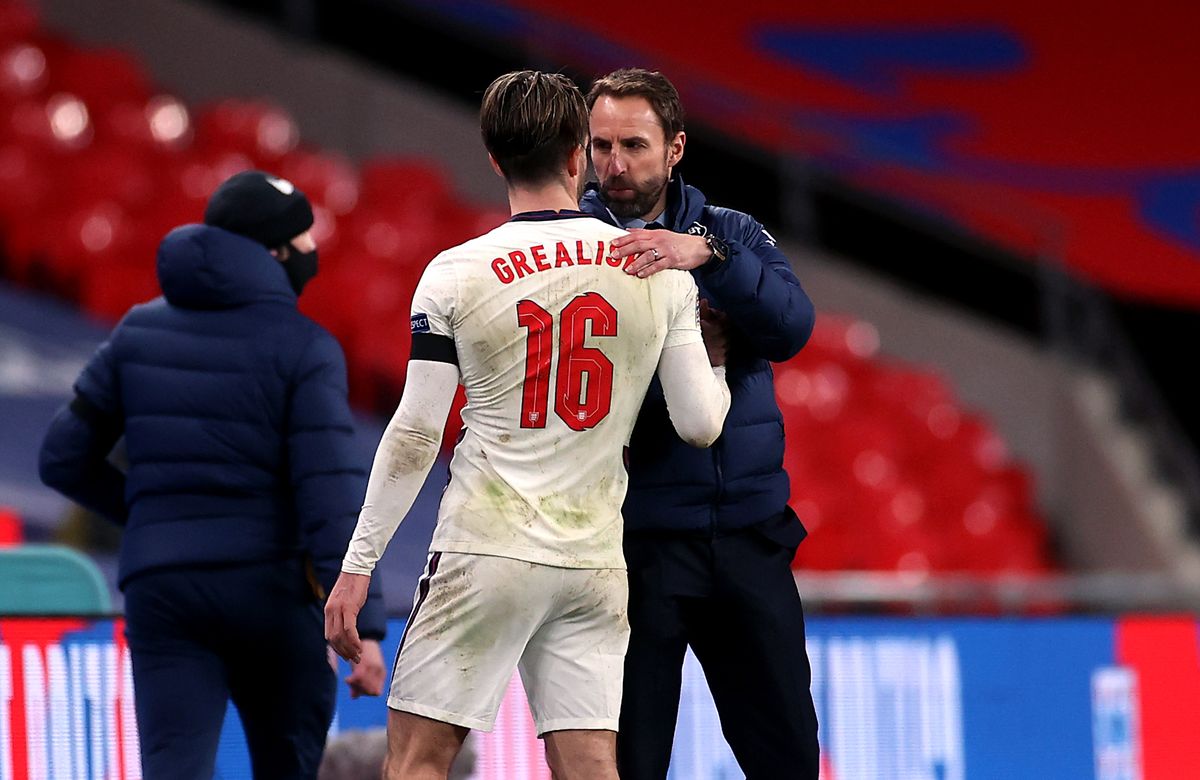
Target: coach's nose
[[616, 163]]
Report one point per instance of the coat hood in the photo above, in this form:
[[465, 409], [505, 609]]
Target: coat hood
[[202, 267]]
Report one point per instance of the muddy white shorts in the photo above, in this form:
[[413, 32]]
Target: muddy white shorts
[[476, 618]]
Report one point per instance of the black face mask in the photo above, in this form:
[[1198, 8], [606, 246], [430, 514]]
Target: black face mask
[[300, 267]]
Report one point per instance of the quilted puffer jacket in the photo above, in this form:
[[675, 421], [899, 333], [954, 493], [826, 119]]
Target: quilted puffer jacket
[[239, 439], [740, 480]]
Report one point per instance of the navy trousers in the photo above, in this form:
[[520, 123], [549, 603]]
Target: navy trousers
[[732, 598], [252, 633]]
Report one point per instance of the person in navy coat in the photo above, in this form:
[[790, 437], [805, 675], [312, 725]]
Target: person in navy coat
[[241, 490], [709, 538]]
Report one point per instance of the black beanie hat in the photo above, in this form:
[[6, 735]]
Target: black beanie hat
[[261, 207]]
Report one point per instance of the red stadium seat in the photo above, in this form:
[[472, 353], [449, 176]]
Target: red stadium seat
[[844, 337], [60, 123], [27, 245], [382, 360], [124, 175], [374, 329], [400, 181], [200, 171], [260, 131], [91, 239], [17, 21], [26, 183], [403, 239], [23, 70], [486, 219], [329, 180], [101, 78], [813, 395], [109, 289], [160, 124]]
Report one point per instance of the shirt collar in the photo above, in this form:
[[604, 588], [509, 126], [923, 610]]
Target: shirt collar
[[637, 222], [546, 214]]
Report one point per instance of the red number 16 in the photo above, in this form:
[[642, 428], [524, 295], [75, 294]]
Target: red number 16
[[584, 378]]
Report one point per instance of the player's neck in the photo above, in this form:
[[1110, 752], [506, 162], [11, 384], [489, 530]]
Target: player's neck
[[554, 196]]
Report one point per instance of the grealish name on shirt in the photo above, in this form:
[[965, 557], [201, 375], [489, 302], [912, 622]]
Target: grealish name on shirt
[[519, 264]]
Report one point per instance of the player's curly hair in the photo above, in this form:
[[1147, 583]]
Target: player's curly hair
[[656, 88], [531, 123]]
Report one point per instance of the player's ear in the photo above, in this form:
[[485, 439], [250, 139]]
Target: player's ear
[[495, 165], [577, 162]]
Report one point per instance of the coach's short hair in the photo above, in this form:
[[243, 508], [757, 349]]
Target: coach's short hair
[[531, 123], [656, 88]]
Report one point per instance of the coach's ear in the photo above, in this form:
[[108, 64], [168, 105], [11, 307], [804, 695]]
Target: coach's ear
[[495, 165]]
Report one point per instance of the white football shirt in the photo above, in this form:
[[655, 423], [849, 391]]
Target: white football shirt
[[556, 346]]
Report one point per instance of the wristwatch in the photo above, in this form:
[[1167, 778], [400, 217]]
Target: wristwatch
[[719, 249]]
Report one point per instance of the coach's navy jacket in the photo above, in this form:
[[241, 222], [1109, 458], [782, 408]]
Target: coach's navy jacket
[[233, 407], [740, 480]]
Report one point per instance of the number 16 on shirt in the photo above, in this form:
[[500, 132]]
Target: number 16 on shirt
[[584, 378]]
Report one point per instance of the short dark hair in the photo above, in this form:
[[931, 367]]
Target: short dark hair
[[531, 123], [656, 88]]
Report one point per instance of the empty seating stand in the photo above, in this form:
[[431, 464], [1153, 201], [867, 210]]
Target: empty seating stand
[[889, 471]]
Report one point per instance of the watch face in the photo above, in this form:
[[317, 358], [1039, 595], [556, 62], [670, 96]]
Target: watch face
[[719, 248]]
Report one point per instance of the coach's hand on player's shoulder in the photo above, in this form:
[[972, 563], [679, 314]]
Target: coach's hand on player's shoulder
[[341, 615], [367, 676], [657, 250]]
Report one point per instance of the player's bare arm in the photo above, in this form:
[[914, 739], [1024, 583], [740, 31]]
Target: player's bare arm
[[406, 452]]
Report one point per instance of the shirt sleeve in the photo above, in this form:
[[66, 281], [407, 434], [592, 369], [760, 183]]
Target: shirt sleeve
[[684, 327], [74, 453], [696, 393], [760, 292], [435, 300], [409, 446]]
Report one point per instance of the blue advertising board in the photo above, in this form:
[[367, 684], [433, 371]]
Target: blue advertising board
[[935, 699]]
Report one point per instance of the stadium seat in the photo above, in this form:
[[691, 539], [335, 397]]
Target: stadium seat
[[161, 124], [101, 78], [26, 183], [401, 182], [122, 175], [57, 124], [44, 579], [108, 289], [260, 131], [23, 71], [328, 180], [18, 21]]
